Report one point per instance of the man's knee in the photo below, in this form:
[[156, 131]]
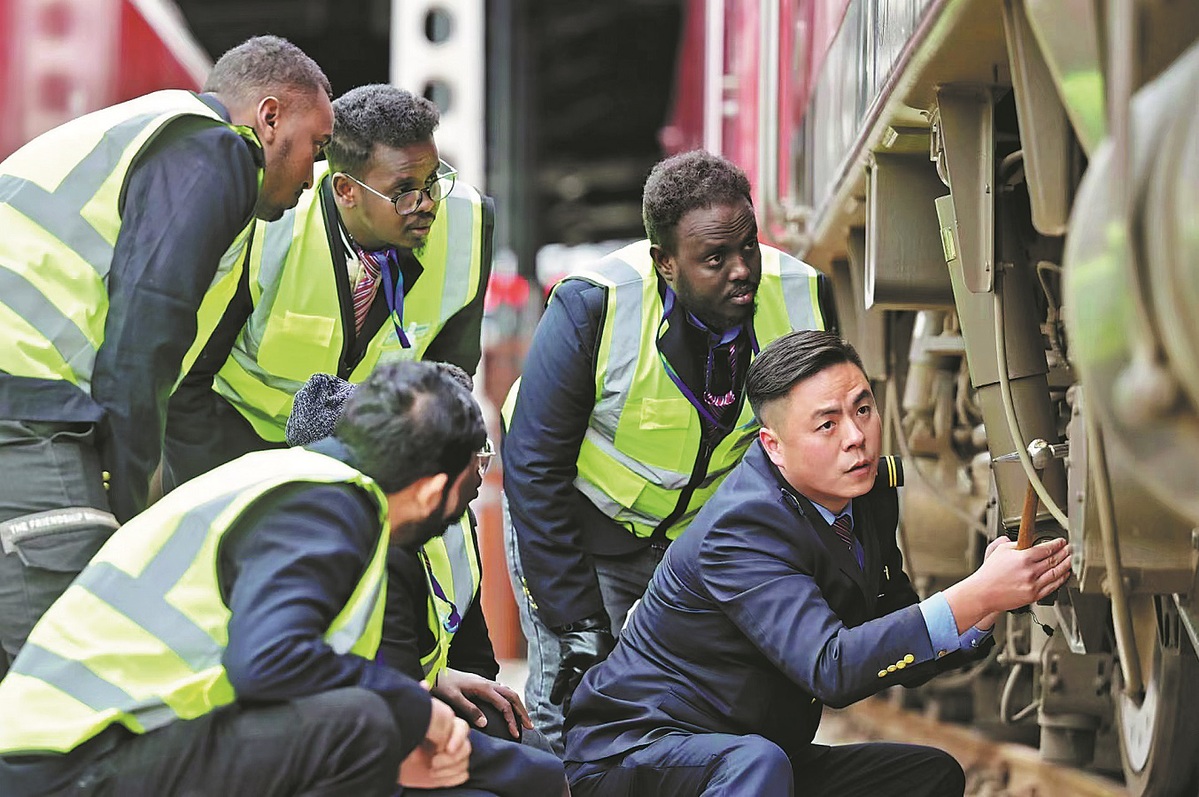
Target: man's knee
[[757, 764], [945, 775], [762, 755], [362, 720], [545, 769]]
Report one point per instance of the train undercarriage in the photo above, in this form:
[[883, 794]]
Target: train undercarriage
[[1006, 194]]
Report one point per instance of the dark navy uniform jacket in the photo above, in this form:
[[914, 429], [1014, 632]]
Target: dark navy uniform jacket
[[757, 618]]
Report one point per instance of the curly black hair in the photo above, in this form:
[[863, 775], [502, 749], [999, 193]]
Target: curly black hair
[[684, 182], [377, 114], [265, 65]]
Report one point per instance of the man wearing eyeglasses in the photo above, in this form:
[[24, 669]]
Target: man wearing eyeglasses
[[385, 259]]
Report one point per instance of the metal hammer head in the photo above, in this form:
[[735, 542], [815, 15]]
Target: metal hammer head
[[1040, 452]]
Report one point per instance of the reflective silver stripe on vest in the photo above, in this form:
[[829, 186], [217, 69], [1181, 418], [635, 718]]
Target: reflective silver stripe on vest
[[459, 251], [276, 243], [666, 479], [72, 677], [343, 639], [618, 512], [76, 680], [131, 596], [796, 277], [147, 608], [625, 347], [459, 556], [35, 307], [61, 213], [247, 358]]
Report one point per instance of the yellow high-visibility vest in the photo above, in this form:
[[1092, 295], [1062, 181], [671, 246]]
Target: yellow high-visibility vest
[[60, 209], [453, 575], [296, 329], [643, 439], [137, 639]]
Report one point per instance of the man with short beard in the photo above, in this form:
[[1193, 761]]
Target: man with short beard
[[434, 627], [631, 410], [225, 640]]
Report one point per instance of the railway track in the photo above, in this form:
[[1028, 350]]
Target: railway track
[[993, 768]]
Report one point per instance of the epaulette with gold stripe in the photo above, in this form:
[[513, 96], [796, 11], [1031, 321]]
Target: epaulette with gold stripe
[[890, 471]]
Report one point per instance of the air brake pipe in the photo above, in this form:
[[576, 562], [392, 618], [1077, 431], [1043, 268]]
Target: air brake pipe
[[1126, 641], [1009, 408]]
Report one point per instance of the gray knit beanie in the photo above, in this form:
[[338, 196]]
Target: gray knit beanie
[[316, 409]]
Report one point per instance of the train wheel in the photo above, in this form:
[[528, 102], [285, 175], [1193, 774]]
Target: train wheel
[[1158, 733]]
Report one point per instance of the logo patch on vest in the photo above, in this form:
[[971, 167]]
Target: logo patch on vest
[[392, 351]]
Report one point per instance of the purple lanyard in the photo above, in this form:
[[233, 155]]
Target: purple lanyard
[[454, 619], [727, 337], [395, 299]]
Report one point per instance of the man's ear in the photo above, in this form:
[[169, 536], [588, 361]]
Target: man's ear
[[663, 261], [427, 492], [772, 445], [343, 190], [266, 119]]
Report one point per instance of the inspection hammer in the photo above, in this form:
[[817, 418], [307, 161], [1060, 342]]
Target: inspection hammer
[[1041, 453]]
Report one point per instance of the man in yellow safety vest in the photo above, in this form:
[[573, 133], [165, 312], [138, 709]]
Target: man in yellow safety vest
[[631, 410], [225, 640], [124, 239], [386, 259]]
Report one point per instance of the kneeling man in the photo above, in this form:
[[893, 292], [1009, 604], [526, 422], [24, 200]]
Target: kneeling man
[[224, 641], [786, 594]]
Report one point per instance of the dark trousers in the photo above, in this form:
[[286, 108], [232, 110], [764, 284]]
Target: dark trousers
[[54, 511], [501, 768], [622, 582], [497, 728], [336, 743], [683, 765]]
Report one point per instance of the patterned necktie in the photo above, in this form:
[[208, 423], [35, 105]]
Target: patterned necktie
[[843, 525], [364, 291]]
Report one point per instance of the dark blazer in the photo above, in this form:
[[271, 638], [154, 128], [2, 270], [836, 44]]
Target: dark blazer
[[757, 617]]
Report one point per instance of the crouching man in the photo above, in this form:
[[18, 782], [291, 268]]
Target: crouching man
[[223, 642], [787, 593]]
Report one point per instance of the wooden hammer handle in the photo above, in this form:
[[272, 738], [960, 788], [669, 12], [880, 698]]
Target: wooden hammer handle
[[1028, 520]]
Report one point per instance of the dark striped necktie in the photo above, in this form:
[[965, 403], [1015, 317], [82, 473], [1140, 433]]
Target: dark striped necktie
[[843, 525]]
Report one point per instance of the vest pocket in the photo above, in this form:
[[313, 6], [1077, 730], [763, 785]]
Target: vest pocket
[[666, 429], [666, 413], [289, 338]]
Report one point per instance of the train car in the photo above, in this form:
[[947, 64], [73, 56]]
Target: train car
[[1005, 194], [60, 59]]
